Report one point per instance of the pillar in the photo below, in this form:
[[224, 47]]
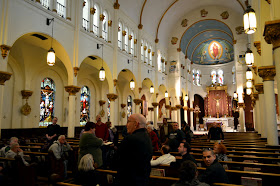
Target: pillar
[[179, 114], [72, 90], [113, 114], [258, 117], [262, 105], [242, 117], [256, 112], [137, 105], [268, 73], [155, 105]]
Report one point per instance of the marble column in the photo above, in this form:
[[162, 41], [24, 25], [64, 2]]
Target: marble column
[[155, 105], [242, 117], [262, 106], [137, 105], [268, 73], [173, 114], [185, 113], [191, 119], [256, 112], [179, 114], [72, 90], [258, 117], [113, 114]]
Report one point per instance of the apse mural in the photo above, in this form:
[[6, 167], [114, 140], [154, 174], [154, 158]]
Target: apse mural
[[47, 101], [213, 52]]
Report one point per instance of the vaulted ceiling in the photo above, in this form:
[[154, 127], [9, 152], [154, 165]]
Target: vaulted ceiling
[[159, 17]]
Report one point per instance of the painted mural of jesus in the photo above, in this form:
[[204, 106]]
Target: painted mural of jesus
[[215, 50]]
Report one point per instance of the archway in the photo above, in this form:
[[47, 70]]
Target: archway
[[198, 101]]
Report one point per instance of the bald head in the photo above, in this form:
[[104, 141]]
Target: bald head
[[134, 122]]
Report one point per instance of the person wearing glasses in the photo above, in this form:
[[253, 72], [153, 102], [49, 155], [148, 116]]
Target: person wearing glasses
[[135, 153], [214, 173]]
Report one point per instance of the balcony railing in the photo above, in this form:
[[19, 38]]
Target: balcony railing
[[85, 24], [120, 44], [61, 10], [104, 35], [95, 29], [45, 4]]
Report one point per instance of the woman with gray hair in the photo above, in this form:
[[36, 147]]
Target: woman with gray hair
[[86, 174], [153, 136]]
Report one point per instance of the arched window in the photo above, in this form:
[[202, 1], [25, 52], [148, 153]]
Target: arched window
[[96, 20], [129, 106], [194, 76], [47, 101], [221, 77], [126, 40], [105, 26], [86, 15], [214, 77], [120, 36], [146, 53], [150, 56], [84, 105], [233, 75], [132, 44], [163, 64], [61, 8], [109, 110], [198, 78], [45, 4], [142, 51]]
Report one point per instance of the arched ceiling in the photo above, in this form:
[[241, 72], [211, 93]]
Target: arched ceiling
[[158, 17]]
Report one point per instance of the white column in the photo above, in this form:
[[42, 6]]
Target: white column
[[258, 117], [262, 115], [242, 117], [113, 114], [71, 117], [54, 6], [155, 117]]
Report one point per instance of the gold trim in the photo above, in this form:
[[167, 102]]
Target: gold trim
[[257, 44], [26, 94], [241, 105], [256, 96], [101, 17], [112, 97], [130, 37], [140, 26], [68, 18], [150, 108], [178, 106], [179, 50], [216, 87], [76, 69], [267, 73], [140, 89], [123, 105], [259, 88], [123, 33], [110, 22], [155, 104], [92, 11], [255, 68], [101, 102], [116, 5], [137, 101], [4, 76], [156, 40], [115, 82], [72, 89], [173, 108], [167, 106], [186, 108], [25, 109], [272, 33], [268, 1]]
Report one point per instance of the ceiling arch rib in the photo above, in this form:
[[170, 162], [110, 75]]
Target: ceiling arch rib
[[140, 26]]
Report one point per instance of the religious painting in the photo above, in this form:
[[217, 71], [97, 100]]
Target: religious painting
[[47, 102], [109, 110], [215, 50], [213, 77], [84, 105]]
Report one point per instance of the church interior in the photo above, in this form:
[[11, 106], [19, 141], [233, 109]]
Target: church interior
[[199, 62]]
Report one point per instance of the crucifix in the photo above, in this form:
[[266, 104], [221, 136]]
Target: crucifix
[[217, 104]]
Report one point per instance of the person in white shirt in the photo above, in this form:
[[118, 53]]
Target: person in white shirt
[[165, 159], [16, 151]]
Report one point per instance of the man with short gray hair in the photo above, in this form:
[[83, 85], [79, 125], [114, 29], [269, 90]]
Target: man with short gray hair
[[5, 149], [135, 153], [16, 151]]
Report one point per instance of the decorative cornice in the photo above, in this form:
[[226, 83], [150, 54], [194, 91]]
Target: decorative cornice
[[5, 49], [259, 88], [155, 104], [72, 89], [257, 44], [137, 101], [4, 76], [123, 105], [167, 106], [110, 22], [179, 106], [76, 69], [272, 33], [26, 94], [173, 108], [112, 97], [267, 73], [185, 107], [92, 11]]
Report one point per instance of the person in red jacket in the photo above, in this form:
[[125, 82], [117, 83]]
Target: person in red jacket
[[101, 129], [153, 137]]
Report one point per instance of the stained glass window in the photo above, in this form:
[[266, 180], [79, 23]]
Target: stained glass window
[[84, 105], [129, 106], [221, 77], [194, 76], [198, 75], [47, 102], [109, 110], [214, 77], [233, 75], [120, 36]]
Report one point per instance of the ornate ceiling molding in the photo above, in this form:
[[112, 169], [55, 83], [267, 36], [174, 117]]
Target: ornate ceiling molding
[[259, 88], [272, 33], [72, 89], [163, 17]]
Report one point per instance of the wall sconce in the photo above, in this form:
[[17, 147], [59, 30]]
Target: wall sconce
[[186, 97], [166, 94], [102, 73], [152, 90]]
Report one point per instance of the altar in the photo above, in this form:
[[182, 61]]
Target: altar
[[227, 123]]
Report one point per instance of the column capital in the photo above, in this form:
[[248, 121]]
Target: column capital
[[101, 102], [241, 105], [173, 108], [257, 44], [4, 76], [267, 73], [167, 106], [137, 101], [76, 69], [272, 33], [112, 97], [150, 108], [185, 107], [26, 94], [123, 105], [5, 49], [259, 88], [155, 104], [178, 106], [255, 96], [72, 89], [255, 68]]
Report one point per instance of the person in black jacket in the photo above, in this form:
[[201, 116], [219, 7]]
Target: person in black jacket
[[135, 153], [184, 149], [214, 173], [215, 133]]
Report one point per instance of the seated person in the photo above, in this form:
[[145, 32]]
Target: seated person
[[214, 173], [220, 151], [215, 134], [175, 138], [188, 175], [5, 149], [184, 149], [86, 174], [59, 148], [165, 159], [153, 137], [16, 151]]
